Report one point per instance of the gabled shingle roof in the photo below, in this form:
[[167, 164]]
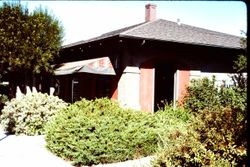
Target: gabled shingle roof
[[164, 30], [103, 36]]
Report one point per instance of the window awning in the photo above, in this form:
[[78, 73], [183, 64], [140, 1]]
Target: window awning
[[96, 66]]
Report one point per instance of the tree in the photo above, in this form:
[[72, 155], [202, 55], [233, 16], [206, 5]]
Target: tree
[[28, 41], [240, 65]]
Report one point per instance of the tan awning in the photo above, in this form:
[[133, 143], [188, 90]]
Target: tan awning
[[96, 66]]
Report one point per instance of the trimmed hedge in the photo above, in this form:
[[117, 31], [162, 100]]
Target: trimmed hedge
[[99, 131], [29, 114]]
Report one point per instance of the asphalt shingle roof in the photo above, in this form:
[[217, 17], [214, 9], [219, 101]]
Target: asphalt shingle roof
[[164, 30]]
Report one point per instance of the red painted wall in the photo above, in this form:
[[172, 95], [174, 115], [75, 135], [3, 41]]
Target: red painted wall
[[115, 93], [146, 88], [184, 76]]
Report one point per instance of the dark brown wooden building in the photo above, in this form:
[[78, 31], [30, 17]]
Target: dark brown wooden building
[[144, 64]]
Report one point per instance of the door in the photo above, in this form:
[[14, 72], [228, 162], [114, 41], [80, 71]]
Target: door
[[164, 85]]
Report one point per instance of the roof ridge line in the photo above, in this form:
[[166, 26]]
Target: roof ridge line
[[208, 30], [132, 29]]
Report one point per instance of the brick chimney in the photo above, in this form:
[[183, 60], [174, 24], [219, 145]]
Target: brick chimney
[[150, 12]]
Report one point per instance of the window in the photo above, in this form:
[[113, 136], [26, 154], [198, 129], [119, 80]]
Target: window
[[103, 86], [75, 90]]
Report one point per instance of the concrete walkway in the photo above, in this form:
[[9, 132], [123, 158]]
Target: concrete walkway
[[30, 151], [27, 151]]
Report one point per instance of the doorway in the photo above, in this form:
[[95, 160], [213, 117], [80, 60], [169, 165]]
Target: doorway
[[164, 85]]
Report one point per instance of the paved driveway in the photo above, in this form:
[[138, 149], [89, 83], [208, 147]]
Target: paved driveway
[[27, 151]]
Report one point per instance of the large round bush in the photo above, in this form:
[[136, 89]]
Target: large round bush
[[29, 114], [99, 131]]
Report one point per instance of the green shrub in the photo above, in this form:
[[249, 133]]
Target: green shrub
[[203, 93], [99, 131], [178, 114], [168, 120], [177, 139], [185, 149], [216, 134], [210, 138], [181, 148], [233, 97], [29, 114], [3, 100], [224, 133]]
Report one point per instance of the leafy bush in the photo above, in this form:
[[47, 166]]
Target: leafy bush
[[212, 138], [168, 120], [99, 131], [29, 114], [216, 134], [177, 114], [181, 148], [203, 93], [3, 100], [224, 133], [178, 139], [233, 97]]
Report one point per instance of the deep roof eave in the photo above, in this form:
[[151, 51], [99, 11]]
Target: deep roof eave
[[136, 37], [189, 43], [87, 42]]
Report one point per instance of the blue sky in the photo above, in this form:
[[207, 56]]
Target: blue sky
[[86, 19]]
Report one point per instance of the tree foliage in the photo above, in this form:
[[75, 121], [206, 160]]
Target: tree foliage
[[28, 41], [240, 65]]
